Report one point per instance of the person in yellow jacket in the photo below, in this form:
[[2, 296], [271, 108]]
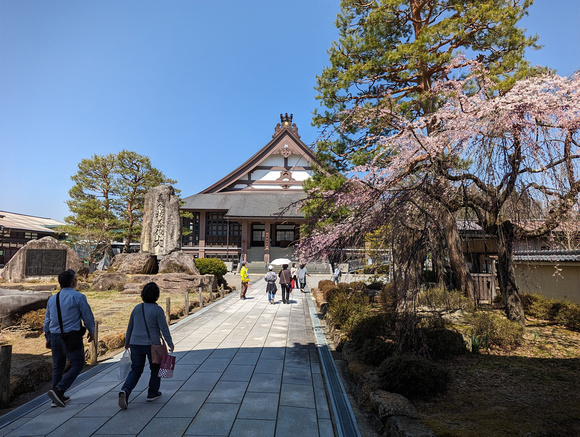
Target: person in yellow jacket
[[245, 280]]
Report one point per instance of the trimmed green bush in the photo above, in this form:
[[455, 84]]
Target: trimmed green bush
[[344, 287], [444, 343], [374, 351], [357, 312], [532, 303], [334, 295], [378, 326], [346, 313], [569, 316], [211, 266], [346, 308], [559, 311], [325, 285], [413, 376], [489, 329]]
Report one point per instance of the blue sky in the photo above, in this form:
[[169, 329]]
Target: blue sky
[[197, 86]]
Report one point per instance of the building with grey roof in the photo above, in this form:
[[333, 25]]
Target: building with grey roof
[[18, 229], [251, 213]]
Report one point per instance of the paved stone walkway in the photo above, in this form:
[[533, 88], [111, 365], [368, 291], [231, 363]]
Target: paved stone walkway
[[244, 368]]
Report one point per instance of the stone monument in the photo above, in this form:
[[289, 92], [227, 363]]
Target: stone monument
[[41, 258], [161, 232], [161, 258]]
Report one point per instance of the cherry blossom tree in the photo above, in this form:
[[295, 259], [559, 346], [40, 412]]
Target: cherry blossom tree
[[393, 51], [484, 152]]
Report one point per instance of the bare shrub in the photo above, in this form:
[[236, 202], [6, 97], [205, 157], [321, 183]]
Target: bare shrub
[[34, 319], [441, 298]]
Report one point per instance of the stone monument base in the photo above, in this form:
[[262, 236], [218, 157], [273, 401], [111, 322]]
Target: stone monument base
[[170, 282]]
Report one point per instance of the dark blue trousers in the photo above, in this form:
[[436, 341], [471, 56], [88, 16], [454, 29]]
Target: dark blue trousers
[[59, 357], [138, 354]]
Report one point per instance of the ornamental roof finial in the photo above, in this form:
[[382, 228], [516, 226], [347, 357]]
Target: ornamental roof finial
[[285, 123]]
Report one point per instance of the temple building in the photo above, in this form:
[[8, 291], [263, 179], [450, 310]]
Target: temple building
[[246, 214], [18, 229]]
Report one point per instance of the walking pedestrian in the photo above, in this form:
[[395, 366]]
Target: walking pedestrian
[[146, 325], [302, 273], [336, 275], [294, 274], [245, 280], [285, 278], [64, 334], [271, 288]]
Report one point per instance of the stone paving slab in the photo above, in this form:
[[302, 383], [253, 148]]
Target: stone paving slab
[[244, 368]]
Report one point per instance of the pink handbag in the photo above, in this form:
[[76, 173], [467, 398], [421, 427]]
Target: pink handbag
[[167, 366]]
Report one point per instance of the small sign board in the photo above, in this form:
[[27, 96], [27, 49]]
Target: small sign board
[[45, 262]]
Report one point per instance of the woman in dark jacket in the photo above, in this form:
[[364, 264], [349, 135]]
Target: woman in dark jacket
[[146, 325], [285, 278]]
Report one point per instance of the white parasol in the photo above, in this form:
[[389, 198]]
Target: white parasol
[[280, 261]]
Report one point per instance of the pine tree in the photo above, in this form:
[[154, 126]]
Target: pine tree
[[107, 200]]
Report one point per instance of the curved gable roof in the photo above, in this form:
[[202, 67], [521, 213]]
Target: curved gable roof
[[284, 133]]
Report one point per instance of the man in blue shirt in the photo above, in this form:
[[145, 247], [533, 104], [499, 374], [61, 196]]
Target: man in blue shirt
[[73, 308]]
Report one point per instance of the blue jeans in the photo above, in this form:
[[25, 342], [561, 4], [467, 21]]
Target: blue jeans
[[138, 354], [59, 357], [271, 296]]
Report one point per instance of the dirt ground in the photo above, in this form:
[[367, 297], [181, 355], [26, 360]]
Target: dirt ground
[[533, 390]]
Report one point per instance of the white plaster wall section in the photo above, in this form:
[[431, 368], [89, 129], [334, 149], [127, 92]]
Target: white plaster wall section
[[276, 160], [265, 175], [298, 161], [301, 175]]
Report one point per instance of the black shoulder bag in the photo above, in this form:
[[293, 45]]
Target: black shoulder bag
[[73, 340]]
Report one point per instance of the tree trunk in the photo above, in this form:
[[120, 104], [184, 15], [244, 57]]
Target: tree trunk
[[407, 258], [129, 238], [130, 222], [461, 276], [506, 274]]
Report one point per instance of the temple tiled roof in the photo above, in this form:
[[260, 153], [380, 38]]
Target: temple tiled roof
[[250, 204], [11, 220], [548, 256]]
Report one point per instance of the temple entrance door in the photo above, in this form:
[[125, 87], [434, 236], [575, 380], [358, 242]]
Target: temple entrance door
[[258, 234]]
